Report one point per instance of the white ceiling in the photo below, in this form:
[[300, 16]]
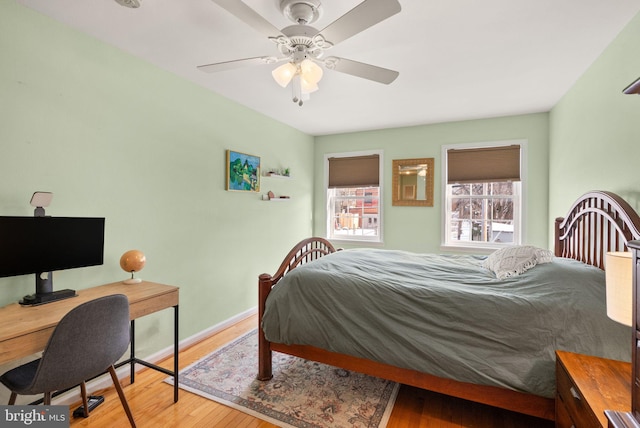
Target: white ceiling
[[458, 60]]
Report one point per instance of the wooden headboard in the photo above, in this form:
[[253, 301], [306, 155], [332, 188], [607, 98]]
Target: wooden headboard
[[597, 222]]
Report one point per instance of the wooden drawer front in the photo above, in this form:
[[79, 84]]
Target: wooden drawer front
[[573, 401], [563, 420]]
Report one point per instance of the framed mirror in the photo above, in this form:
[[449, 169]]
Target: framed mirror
[[413, 182]]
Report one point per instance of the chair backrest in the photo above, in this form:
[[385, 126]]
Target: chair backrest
[[88, 339]]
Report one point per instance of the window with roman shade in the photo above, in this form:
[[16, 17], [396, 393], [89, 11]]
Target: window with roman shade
[[482, 194], [354, 171], [354, 211], [483, 165]]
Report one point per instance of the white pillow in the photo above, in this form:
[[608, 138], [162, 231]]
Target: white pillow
[[512, 261]]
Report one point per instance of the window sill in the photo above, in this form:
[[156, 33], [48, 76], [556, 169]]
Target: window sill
[[358, 242], [472, 249]]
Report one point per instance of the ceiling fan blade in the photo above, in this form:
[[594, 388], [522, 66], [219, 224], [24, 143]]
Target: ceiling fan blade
[[359, 69], [249, 16], [361, 17], [238, 63]]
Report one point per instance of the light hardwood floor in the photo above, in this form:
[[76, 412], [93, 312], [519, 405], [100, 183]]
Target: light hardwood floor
[[151, 401]]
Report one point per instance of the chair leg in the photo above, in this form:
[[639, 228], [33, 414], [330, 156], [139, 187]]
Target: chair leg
[[85, 402], [123, 399], [12, 399], [47, 399]]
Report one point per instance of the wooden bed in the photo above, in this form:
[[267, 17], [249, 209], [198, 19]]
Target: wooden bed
[[597, 223]]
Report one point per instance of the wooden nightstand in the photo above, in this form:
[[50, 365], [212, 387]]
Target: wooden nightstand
[[587, 386]]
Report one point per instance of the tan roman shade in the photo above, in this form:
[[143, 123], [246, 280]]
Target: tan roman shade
[[357, 171], [482, 165]]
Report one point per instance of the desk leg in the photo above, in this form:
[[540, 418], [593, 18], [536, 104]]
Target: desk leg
[[176, 352], [132, 355]]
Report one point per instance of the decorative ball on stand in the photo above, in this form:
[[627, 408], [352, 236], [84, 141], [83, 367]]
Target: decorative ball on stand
[[132, 261]]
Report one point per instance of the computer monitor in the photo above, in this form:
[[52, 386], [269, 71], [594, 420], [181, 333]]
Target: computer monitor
[[41, 245]]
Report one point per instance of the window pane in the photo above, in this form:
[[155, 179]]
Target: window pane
[[485, 215], [460, 189], [501, 189], [478, 188], [460, 208], [502, 232], [502, 208], [354, 212]]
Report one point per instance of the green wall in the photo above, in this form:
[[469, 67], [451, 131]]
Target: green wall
[[418, 228], [115, 137], [594, 131]]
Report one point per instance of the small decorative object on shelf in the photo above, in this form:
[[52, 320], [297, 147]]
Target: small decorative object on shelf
[[132, 261], [284, 172], [271, 197]]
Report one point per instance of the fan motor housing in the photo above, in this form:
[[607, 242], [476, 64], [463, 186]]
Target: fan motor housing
[[301, 11], [129, 3]]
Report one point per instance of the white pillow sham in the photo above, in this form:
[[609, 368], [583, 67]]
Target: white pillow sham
[[517, 259]]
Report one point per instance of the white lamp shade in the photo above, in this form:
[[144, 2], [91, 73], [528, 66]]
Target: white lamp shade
[[618, 274], [307, 87], [284, 74], [311, 71]]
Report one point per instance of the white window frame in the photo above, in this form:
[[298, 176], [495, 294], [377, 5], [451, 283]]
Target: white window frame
[[328, 207], [519, 211]]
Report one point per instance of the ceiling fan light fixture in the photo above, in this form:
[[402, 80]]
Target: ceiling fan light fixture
[[306, 87], [283, 74], [311, 71]]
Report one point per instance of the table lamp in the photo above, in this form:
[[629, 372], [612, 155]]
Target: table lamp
[[132, 261], [618, 272], [619, 279]]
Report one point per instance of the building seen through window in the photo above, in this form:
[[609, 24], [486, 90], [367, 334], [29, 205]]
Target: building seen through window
[[355, 212]]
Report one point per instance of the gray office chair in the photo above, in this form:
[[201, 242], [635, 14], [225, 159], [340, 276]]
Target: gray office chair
[[88, 341]]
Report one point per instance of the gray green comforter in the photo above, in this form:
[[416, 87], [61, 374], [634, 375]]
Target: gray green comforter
[[446, 315]]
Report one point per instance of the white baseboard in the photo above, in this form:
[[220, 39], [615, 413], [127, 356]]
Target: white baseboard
[[104, 381]]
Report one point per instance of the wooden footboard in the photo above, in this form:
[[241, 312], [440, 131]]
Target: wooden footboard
[[598, 222], [305, 251]]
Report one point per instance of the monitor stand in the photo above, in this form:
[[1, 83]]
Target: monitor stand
[[44, 291]]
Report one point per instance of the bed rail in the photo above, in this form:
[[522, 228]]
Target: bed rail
[[597, 223]]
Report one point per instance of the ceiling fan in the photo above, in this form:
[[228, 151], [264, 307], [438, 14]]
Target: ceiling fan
[[303, 47]]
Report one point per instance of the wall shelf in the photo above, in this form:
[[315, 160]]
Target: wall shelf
[[271, 175]]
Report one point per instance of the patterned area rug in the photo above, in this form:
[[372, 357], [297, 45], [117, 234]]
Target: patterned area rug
[[302, 393]]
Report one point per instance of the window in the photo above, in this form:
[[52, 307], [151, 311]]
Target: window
[[354, 211], [483, 195]]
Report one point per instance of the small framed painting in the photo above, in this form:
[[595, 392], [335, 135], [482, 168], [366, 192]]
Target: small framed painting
[[243, 172]]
